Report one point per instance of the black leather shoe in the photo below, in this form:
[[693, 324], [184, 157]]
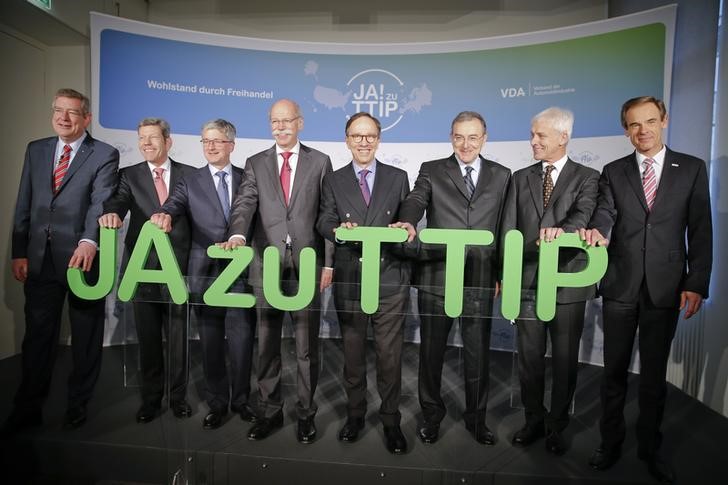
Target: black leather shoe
[[481, 433], [213, 420], [428, 433], [181, 409], [245, 413], [350, 431], [147, 412], [555, 443], [75, 417], [658, 468], [265, 426], [395, 440], [17, 422], [306, 430], [604, 458], [528, 434]]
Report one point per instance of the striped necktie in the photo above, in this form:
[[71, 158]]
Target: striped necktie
[[60, 171], [649, 182]]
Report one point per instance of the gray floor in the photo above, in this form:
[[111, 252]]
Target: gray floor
[[112, 448]]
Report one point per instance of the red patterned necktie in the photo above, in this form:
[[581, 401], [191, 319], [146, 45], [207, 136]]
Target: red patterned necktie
[[160, 185], [286, 176], [60, 171], [649, 182]]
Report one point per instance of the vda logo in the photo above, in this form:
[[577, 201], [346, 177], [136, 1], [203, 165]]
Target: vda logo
[[377, 92], [512, 92]]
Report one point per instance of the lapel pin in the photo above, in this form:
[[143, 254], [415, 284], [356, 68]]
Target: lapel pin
[[674, 164]]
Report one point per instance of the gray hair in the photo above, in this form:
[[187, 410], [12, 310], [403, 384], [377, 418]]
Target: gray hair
[[560, 119], [468, 116], [221, 125], [161, 123], [73, 94]]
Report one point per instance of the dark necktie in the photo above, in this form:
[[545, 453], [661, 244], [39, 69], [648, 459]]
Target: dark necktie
[[649, 182], [364, 186], [222, 194], [159, 185], [548, 185], [60, 171], [286, 176], [468, 178]]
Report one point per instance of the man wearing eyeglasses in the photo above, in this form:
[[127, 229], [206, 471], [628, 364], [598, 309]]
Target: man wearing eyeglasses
[[463, 191], [64, 183], [143, 188], [280, 199], [367, 192], [205, 197]]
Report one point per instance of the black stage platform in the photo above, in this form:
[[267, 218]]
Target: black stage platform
[[111, 448]]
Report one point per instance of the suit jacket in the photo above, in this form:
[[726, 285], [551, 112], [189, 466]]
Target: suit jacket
[[259, 208], [669, 247], [341, 201], [137, 196], [570, 207], [63, 219], [440, 190], [195, 197]]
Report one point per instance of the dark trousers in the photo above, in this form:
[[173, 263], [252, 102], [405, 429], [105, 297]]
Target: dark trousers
[[388, 332], [656, 330], [236, 328], [306, 325], [45, 294], [152, 320], [434, 329], [565, 333]]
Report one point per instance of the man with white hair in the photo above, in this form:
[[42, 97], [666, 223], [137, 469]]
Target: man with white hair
[[552, 196]]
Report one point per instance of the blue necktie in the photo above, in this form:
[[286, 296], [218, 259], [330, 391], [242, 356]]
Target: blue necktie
[[222, 194]]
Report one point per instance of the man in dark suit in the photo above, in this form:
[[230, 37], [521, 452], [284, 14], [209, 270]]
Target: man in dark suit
[[656, 203], [464, 191], [143, 188], [280, 200], [64, 183], [553, 196], [367, 192], [204, 197]]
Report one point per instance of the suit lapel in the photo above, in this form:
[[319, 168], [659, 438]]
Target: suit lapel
[[632, 174], [453, 171], [303, 173], [207, 187], [560, 187], [382, 187], [271, 166], [49, 153], [237, 180], [535, 185], [352, 192], [84, 151], [668, 177]]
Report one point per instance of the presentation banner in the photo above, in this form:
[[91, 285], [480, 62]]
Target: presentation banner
[[143, 70]]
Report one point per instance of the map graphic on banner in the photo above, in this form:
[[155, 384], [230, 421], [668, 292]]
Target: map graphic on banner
[[415, 89]]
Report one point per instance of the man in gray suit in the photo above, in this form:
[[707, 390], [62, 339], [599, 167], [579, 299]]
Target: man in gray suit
[[367, 192], [463, 191], [553, 196], [279, 200], [65, 180], [656, 204]]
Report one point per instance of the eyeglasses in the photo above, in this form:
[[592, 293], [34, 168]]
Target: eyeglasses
[[359, 138], [70, 112], [285, 121], [472, 139], [217, 143]]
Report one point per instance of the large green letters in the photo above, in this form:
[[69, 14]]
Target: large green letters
[[272, 280], [169, 273], [107, 270], [216, 294], [371, 239]]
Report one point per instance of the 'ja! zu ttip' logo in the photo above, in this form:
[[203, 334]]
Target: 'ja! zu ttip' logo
[[378, 92]]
